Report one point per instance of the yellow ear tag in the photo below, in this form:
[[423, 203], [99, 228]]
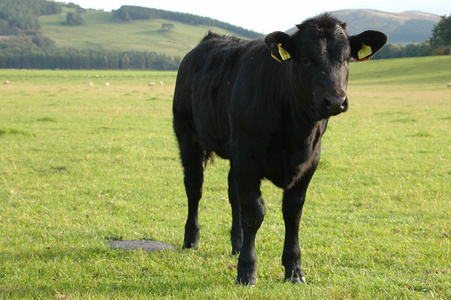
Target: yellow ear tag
[[275, 57], [283, 53], [365, 51]]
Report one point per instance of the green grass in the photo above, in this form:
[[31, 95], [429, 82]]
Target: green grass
[[101, 31], [83, 164]]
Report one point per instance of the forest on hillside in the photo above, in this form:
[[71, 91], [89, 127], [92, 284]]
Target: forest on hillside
[[129, 13], [18, 16]]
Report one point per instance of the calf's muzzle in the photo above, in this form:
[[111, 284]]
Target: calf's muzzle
[[336, 104]]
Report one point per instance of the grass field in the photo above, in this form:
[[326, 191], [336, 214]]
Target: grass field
[[101, 31], [81, 165]]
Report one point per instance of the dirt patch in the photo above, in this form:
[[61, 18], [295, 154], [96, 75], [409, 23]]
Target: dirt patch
[[148, 246]]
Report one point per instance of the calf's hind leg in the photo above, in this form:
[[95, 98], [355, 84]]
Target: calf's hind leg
[[236, 233], [192, 156]]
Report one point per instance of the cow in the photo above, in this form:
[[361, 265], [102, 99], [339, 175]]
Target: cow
[[264, 105]]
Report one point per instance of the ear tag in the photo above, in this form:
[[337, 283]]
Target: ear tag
[[364, 52], [275, 57], [283, 53]]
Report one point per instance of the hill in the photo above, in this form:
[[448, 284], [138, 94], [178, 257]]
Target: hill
[[101, 31], [401, 28], [68, 36]]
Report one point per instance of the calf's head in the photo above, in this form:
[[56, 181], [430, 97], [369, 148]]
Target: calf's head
[[318, 55]]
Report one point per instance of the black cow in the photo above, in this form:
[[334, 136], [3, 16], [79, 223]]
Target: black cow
[[264, 105]]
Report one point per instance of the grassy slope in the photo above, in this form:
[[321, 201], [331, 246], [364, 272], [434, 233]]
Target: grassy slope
[[102, 31], [409, 71], [82, 164]]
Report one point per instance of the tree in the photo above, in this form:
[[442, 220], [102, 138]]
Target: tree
[[441, 34], [42, 41], [167, 26], [125, 61], [73, 19]]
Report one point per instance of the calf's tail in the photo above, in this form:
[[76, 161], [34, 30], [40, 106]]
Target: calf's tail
[[209, 156]]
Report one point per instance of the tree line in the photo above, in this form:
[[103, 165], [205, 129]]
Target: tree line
[[129, 13], [31, 57]]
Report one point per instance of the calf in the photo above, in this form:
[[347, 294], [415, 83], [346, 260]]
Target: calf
[[264, 105]]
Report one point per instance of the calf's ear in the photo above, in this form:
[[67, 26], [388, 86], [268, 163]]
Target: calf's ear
[[366, 44], [281, 45]]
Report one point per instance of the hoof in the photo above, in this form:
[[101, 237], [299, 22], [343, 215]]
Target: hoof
[[296, 280], [191, 246], [249, 283], [194, 246]]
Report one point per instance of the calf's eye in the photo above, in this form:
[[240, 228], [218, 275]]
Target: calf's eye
[[306, 61]]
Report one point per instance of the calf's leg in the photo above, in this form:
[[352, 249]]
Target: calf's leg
[[192, 156], [293, 201], [252, 208], [236, 234], [193, 180]]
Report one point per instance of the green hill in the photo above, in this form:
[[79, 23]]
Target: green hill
[[70, 37], [101, 31]]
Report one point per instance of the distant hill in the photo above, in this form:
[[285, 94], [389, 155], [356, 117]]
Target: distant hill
[[401, 28]]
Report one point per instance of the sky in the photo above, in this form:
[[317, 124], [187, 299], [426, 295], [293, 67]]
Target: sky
[[272, 15]]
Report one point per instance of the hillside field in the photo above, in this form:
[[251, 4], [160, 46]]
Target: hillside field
[[81, 165], [101, 31]]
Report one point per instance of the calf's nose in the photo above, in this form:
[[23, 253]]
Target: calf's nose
[[336, 104]]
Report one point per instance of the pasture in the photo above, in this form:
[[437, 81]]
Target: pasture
[[137, 35], [81, 165]]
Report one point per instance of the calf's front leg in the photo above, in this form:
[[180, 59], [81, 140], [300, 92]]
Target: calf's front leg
[[293, 201], [252, 209]]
